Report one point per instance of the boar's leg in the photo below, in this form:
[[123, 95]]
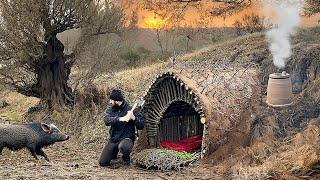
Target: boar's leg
[[33, 152], [1, 148], [40, 152]]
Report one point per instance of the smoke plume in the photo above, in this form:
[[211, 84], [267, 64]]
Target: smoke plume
[[286, 15]]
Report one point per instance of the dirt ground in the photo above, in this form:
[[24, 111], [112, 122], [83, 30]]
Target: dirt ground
[[70, 160]]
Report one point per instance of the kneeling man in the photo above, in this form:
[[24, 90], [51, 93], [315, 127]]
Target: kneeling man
[[122, 131]]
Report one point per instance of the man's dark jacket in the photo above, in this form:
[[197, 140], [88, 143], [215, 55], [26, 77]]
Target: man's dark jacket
[[120, 130]]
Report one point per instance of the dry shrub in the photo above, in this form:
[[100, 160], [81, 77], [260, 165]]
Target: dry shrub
[[250, 23], [164, 159], [313, 90], [300, 153], [94, 133], [90, 97], [88, 113]]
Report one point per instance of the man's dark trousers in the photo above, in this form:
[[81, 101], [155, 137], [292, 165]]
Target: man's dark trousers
[[110, 151]]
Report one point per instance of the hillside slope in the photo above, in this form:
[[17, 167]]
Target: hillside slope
[[271, 129], [283, 143]]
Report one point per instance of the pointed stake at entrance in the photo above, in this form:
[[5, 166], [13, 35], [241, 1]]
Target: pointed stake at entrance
[[203, 148]]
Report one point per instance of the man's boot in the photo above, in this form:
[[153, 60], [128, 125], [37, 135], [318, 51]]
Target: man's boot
[[126, 160]]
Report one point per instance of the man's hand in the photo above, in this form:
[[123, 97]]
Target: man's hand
[[131, 115], [125, 118]]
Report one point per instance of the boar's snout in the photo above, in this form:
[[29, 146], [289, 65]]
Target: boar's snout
[[63, 137], [66, 137], [54, 132]]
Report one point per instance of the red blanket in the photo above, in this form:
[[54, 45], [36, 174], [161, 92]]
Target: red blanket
[[189, 144]]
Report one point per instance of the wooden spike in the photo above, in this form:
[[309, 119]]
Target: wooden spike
[[153, 115], [160, 101], [151, 120], [197, 108], [175, 91], [162, 97], [157, 104], [173, 85], [168, 91], [180, 91], [184, 94], [155, 112], [171, 89], [167, 95], [178, 87], [190, 97], [164, 93], [155, 107]]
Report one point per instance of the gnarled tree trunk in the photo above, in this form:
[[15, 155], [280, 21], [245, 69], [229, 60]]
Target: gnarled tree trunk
[[52, 75]]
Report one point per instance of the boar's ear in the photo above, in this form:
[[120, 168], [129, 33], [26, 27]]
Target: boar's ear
[[45, 127]]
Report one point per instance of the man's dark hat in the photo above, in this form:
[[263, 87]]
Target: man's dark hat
[[116, 95]]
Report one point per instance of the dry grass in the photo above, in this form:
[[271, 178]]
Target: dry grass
[[254, 40], [292, 158], [133, 82], [18, 105]]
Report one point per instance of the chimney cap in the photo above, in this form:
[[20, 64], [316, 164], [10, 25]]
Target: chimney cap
[[283, 75]]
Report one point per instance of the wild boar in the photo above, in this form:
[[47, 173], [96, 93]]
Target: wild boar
[[32, 136]]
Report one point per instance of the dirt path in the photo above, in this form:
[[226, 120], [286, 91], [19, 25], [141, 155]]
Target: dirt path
[[71, 161]]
